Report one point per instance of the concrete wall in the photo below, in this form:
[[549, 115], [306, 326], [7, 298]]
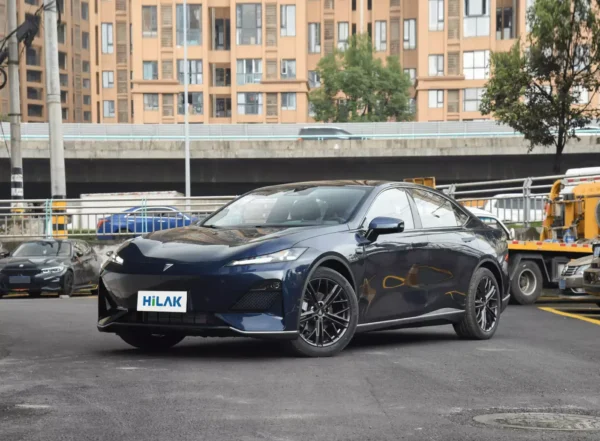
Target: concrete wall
[[501, 146]]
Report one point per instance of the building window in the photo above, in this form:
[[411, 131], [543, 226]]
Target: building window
[[249, 103], [288, 69], [288, 101], [62, 33], [87, 115], [32, 56], [107, 38], [35, 110], [85, 66], [87, 100], [223, 108], [436, 99], [64, 96], [476, 65], [194, 71], [194, 25], [410, 34], [149, 22], [381, 36], [65, 113], [581, 95], [32, 2], [314, 79], [85, 40], [342, 35], [412, 74], [504, 24], [85, 83], [35, 93], [288, 20], [472, 99], [85, 10], [108, 79], [150, 70], [436, 65], [64, 80], [109, 108], [151, 101], [248, 24], [477, 18], [222, 77], [195, 103], [436, 15], [249, 71], [62, 61], [314, 38]]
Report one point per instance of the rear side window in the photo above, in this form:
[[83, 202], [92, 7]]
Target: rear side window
[[436, 211]]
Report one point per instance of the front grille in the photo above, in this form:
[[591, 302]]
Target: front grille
[[171, 318], [569, 270], [21, 271], [256, 301]]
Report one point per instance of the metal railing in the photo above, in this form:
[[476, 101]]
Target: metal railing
[[516, 201], [104, 218]]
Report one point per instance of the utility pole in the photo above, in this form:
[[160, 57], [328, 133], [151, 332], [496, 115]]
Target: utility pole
[[16, 160], [186, 124], [57, 148]]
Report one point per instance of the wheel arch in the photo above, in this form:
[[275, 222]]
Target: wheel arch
[[537, 258], [493, 266], [336, 263]]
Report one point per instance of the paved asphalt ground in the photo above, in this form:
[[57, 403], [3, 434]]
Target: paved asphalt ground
[[62, 380]]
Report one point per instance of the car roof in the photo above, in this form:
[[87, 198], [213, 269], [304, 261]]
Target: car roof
[[342, 183], [479, 212]]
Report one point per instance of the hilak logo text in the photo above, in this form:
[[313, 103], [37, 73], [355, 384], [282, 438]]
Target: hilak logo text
[[155, 301]]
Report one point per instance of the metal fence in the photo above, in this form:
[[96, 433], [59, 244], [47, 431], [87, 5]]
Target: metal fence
[[269, 132], [104, 218]]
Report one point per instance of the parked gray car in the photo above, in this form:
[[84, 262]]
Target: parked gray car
[[571, 279]]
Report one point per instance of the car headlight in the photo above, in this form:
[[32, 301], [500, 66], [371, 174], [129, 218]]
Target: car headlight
[[54, 270], [281, 256], [581, 269]]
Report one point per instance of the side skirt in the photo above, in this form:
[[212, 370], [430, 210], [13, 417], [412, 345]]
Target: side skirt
[[449, 315]]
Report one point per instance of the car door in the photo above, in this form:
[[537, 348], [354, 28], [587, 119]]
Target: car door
[[88, 262], [391, 288], [453, 249]]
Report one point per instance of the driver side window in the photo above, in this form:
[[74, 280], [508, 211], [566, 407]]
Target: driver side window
[[392, 203]]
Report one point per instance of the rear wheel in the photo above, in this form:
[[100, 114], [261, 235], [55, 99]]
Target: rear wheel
[[482, 307], [527, 283], [328, 315], [151, 342]]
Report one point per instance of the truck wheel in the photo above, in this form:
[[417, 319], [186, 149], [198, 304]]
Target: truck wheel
[[527, 282]]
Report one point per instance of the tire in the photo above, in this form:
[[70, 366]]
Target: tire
[[334, 325], [151, 342], [94, 292], [35, 294], [67, 283], [527, 283], [470, 327]]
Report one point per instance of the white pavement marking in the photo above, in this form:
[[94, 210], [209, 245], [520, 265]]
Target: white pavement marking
[[33, 406]]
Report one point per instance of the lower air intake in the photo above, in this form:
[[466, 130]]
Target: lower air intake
[[254, 301]]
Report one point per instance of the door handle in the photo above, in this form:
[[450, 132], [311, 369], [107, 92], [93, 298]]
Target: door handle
[[468, 239], [420, 244]]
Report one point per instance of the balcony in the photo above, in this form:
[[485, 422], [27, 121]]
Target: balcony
[[221, 107], [249, 78], [195, 103], [220, 32], [221, 75]]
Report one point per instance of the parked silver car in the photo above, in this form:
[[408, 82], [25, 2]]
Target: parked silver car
[[571, 278]]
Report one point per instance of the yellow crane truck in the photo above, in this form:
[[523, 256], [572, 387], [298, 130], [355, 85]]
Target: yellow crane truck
[[571, 225]]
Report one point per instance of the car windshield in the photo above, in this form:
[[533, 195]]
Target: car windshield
[[297, 207], [39, 249]]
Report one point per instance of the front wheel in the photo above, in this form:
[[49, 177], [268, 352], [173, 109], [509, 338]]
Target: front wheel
[[151, 342], [328, 315], [67, 284], [527, 282], [482, 307]]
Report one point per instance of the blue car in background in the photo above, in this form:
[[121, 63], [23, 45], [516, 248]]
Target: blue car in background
[[141, 220]]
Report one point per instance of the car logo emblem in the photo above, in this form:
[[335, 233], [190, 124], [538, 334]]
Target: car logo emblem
[[167, 266]]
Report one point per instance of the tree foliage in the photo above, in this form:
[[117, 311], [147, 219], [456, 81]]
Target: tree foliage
[[370, 90], [538, 88]]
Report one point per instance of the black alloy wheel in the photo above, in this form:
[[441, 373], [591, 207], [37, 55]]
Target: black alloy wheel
[[328, 315], [67, 283], [487, 304]]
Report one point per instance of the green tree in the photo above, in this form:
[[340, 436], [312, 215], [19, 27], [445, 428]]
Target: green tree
[[539, 88], [372, 91]]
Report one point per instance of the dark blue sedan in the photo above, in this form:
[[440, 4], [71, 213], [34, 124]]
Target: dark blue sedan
[[141, 220], [312, 264]]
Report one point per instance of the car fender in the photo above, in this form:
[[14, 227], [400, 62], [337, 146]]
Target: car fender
[[503, 283]]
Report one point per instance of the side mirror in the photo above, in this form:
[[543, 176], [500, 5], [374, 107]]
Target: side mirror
[[384, 225], [109, 253]]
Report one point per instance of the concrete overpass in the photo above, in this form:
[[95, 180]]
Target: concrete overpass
[[231, 167]]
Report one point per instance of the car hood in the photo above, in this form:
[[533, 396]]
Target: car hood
[[200, 244], [581, 261], [32, 262]]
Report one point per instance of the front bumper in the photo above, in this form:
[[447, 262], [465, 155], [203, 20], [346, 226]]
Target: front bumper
[[591, 281], [37, 282], [222, 304]]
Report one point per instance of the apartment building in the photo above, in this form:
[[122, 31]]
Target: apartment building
[[74, 59], [252, 61]]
